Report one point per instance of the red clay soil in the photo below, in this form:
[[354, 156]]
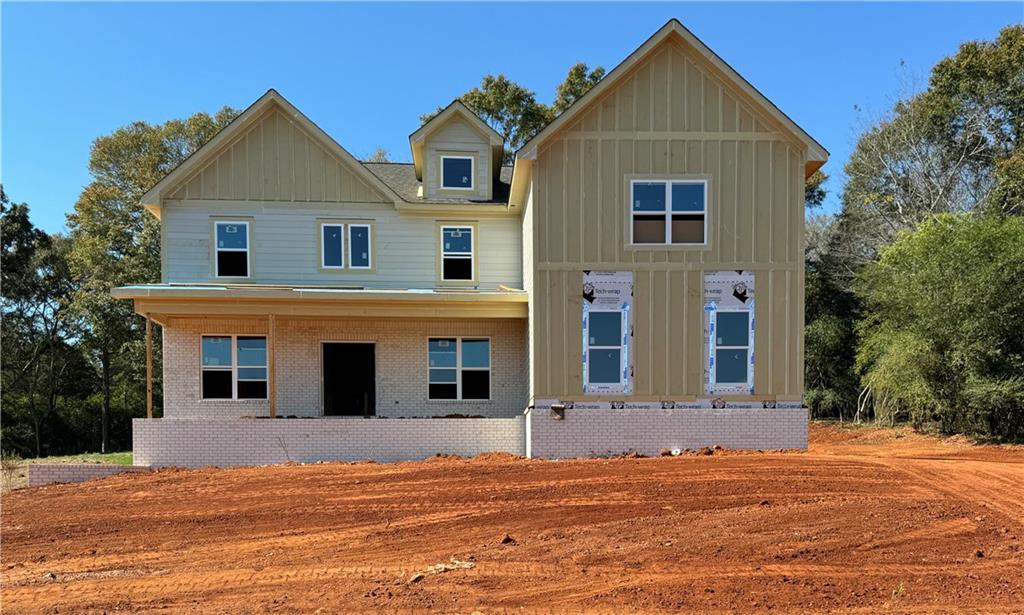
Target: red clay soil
[[867, 521]]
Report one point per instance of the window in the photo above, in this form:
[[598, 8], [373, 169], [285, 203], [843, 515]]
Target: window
[[456, 253], [669, 212], [460, 368], [359, 246], [234, 367], [604, 347], [457, 172], [232, 257], [332, 254], [732, 347]]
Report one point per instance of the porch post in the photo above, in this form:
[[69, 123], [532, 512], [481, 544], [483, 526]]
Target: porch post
[[149, 366], [271, 376]]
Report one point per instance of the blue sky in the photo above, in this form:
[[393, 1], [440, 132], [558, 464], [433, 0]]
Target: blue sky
[[72, 72]]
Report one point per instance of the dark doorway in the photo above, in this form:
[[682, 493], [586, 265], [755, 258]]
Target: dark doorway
[[349, 379]]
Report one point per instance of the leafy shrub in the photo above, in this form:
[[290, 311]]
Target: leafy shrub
[[942, 338]]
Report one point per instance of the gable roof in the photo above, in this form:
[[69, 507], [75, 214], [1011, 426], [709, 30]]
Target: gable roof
[[454, 108], [816, 153], [152, 200]]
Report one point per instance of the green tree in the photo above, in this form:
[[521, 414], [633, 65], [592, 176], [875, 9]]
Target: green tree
[[941, 340], [976, 99], [507, 107], [38, 329], [116, 243], [578, 82], [379, 155], [814, 189], [513, 110]]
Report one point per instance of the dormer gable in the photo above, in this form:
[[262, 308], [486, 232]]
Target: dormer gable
[[456, 154]]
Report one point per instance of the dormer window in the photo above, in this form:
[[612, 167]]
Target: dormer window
[[457, 172]]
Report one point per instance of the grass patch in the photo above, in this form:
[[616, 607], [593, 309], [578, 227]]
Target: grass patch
[[14, 470], [123, 458]]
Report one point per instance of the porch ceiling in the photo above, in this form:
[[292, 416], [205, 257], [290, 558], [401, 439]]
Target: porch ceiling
[[163, 300]]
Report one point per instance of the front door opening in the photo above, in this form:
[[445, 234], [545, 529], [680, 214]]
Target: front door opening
[[349, 379]]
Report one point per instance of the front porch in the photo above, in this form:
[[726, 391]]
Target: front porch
[[237, 351]]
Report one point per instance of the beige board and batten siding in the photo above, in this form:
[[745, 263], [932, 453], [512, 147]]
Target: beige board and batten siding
[[456, 137], [670, 115], [276, 160]]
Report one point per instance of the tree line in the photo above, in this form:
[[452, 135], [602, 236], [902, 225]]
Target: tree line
[[912, 307]]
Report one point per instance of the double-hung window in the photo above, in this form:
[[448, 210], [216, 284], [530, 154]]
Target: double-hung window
[[605, 340], [234, 367], [669, 212], [359, 246], [457, 172], [332, 250], [732, 347], [460, 368], [457, 253], [232, 249]]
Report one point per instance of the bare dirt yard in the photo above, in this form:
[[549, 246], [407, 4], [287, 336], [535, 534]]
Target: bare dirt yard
[[867, 521]]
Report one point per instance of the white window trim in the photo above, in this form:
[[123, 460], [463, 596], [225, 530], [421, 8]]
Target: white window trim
[[747, 347], [217, 249], [620, 347], [369, 246], [459, 368], [233, 369], [668, 213], [323, 246], [472, 173], [459, 255]]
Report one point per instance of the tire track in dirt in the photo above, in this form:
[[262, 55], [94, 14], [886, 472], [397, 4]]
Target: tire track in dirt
[[838, 529]]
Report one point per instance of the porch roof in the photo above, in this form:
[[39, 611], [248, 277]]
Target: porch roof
[[161, 301]]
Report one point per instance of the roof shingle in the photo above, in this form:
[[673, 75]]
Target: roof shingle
[[401, 177]]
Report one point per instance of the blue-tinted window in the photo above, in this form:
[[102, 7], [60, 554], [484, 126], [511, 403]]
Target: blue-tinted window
[[688, 197], [252, 351], [605, 329], [232, 236], [649, 196], [333, 234], [442, 376], [457, 240], [456, 172], [604, 366], [442, 352], [216, 351], [731, 366], [476, 353], [252, 373], [733, 328], [359, 245]]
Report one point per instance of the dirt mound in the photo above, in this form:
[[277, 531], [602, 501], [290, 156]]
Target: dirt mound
[[869, 521]]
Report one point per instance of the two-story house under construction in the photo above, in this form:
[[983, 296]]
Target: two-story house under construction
[[634, 281]]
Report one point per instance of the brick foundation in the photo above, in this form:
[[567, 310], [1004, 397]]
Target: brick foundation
[[238, 442], [47, 473], [586, 433]]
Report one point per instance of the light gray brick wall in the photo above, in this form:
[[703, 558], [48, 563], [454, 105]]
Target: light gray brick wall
[[239, 442], [401, 365], [586, 433], [47, 473]]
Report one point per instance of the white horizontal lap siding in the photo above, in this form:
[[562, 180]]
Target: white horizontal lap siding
[[285, 244]]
